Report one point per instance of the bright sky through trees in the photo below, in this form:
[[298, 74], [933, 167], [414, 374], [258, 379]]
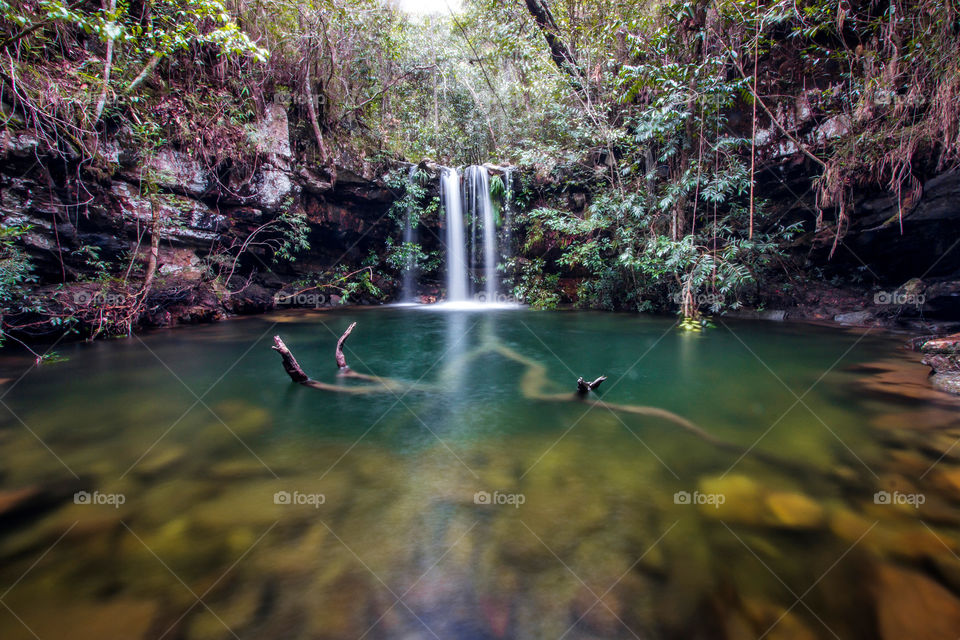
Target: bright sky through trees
[[424, 7]]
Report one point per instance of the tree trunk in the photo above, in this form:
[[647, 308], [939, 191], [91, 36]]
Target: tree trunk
[[562, 55], [107, 66], [154, 247]]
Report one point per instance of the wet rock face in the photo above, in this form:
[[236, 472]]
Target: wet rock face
[[84, 220], [271, 136], [931, 221], [187, 221], [178, 172]]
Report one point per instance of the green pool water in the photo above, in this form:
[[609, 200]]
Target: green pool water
[[219, 500]]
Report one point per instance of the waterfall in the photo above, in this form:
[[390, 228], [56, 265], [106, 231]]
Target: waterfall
[[481, 210], [456, 242], [506, 251], [409, 240], [471, 204]]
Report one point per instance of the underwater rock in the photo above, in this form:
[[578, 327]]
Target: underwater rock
[[160, 459], [33, 500], [742, 499], [14, 500], [774, 621], [242, 469], [601, 616], [341, 611], [232, 616], [928, 418], [911, 605], [256, 503], [120, 619], [947, 479], [243, 418], [794, 510], [905, 463], [904, 539], [900, 381], [947, 569]]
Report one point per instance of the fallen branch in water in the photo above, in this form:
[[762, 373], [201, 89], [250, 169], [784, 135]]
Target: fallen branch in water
[[341, 361], [380, 385], [290, 364], [584, 387], [533, 385]]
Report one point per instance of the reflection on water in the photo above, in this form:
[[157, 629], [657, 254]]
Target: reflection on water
[[222, 501]]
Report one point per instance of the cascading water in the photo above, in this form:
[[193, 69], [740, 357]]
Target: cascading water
[[456, 242], [473, 199], [506, 249], [481, 209], [409, 241]]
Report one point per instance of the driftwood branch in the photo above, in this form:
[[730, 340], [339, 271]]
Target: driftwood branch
[[533, 385], [584, 387], [341, 361], [290, 364], [379, 384]]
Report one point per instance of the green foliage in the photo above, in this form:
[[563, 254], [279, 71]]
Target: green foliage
[[293, 227], [353, 286], [536, 288], [15, 268], [157, 28], [400, 256]]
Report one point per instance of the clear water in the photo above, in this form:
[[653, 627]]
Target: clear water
[[585, 534]]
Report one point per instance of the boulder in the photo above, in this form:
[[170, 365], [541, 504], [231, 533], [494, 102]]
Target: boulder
[[942, 345], [942, 355], [857, 318]]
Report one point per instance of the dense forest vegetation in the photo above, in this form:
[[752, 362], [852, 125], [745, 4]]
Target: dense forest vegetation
[[656, 119], [644, 274]]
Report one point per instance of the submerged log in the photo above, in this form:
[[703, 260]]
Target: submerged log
[[584, 387]]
